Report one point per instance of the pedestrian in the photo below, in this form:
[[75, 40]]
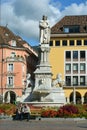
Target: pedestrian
[[18, 113], [21, 108], [27, 111]]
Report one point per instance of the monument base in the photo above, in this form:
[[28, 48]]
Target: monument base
[[45, 104], [46, 97], [51, 95]]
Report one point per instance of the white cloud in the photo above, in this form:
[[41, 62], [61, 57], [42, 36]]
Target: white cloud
[[75, 9], [22, 16], [31, 9]]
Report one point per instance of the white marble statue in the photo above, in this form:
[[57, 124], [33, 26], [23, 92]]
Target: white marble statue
[[58, 80], [44, 30], [28, 81]]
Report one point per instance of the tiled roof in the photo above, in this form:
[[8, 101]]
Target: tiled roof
[[80, 20], [7, 35]]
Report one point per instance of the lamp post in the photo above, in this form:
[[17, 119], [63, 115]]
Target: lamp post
[[74, 95]]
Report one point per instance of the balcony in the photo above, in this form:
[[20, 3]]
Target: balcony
[[68, 71], [75, 71], [68, 59], [10, 73], [82, 72], [82, 59], [75, 59], [15, 59], [9, 86]]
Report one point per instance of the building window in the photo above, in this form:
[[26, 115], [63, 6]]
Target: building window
[[68, 68], [10, 67], [68, 80], [71, 29], [75, 68], [82, 80], [57, 43], [68, 54], [66, 29], [79, 43], [71, 42], [51, 43], [75, 54], [82, 66], [75, 80], [85, 42], [13, 43], [10, 80], [82, 54], [12, 54], [64, 42]]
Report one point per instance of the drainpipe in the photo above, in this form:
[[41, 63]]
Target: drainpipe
[[2, 73]]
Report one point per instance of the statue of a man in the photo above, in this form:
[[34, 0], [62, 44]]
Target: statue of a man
[[44, 30]]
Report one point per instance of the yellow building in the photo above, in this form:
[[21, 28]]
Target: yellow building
[[68, 56]]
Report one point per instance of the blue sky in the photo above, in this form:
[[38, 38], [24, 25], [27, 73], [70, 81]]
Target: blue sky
[[23, 16], [66, 3]]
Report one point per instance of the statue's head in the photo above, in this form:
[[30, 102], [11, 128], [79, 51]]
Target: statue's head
[[28, 75], [44, 17], [59, 74]]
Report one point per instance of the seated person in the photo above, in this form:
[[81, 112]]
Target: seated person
[[27, 111]]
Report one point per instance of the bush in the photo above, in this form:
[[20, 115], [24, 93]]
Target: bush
[[49, 113], [66, 111], [7, 109], [82, 110]]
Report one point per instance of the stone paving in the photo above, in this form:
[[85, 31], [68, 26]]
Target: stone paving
[[45, 124]]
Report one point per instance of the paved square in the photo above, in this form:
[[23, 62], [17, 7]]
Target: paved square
[[43, 125]]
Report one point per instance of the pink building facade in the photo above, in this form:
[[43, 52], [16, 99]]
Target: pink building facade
[[17, 58]]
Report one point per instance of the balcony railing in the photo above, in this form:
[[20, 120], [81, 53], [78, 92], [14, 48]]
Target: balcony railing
[[75, 59], [82, 59], [15, 58], [10, 73], [9, 85], [79, 85], [68, 59], [68, 71], [82, 72], [75, 71]]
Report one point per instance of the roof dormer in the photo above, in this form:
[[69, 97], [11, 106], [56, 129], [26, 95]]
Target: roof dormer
[[13, 42]]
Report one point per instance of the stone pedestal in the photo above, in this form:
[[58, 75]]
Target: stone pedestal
[[43, 74]]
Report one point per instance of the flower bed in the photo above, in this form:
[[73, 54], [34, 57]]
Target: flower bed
[[7, 109], [67, 111]]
